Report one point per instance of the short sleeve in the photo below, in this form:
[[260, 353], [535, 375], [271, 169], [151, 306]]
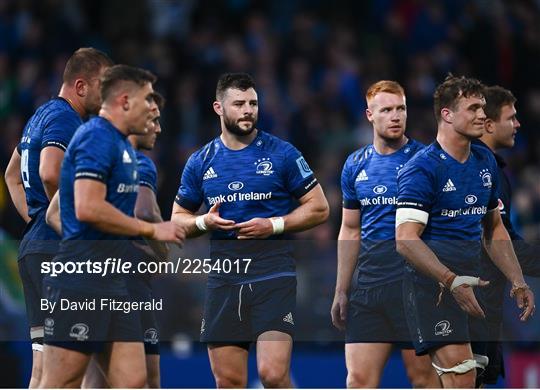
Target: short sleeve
[[189, 194], [60, 130], [415, 188], [147, 172], [299, 178], [350, 200], [94, 156]]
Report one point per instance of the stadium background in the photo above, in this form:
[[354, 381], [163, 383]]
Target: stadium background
[[312, 61]]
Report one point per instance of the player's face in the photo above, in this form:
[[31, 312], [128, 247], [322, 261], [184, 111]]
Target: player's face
[[92, 102], [387, 112], [140, 103], [148, 141], [506, 127], [468, 118], [240, 111]]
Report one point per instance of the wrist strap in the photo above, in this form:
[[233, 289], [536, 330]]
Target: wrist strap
[[278, 225], [201, 225]]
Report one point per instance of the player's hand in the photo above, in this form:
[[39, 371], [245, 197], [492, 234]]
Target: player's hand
[[339, 310], [464, 296], [169, 231], [256, 228], [213, 221], [524, 299]]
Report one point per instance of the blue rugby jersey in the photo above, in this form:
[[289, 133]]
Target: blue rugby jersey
[[369, 184], [98, 151], [147, 171], [456, 196], [53, 124], [261, 180]]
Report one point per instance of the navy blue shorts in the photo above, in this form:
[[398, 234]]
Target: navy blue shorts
[[432, 326], [239, 314], [141, 290], [87, 329], [376, 315], [32, 281]]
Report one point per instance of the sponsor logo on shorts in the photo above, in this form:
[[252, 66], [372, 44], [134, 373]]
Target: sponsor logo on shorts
[[79, 331], [289, 318], [151, 336], [202, 326], [442, 328], [48, 328]]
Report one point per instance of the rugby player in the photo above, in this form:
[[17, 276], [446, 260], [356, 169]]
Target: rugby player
[[33, 172], [373, 316], [99, 184], [249, 181], [138, 284], [448, 203], [501, 126]]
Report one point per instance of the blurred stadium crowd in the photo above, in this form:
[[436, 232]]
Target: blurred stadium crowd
[[312, 61]]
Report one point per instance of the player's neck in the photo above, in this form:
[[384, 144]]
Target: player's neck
[[455, 144], [71, 98], [490, 143], [386, 146], [114, 120], [237, 142]]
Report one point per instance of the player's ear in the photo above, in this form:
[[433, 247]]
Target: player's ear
[[81, 87], [218, 108], [369, 115], [447, 115], [124, 101], [489, 125]]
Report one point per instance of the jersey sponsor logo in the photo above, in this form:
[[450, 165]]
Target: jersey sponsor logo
[[472, 210], [289, 318], [362, 176], [235, 185], [442, 328], [449, 186], [471, 199], [79, 331], [378, 201], [127, 188], [151, 336], [304, 168], [380, 189], [264, 166], [486, 177], [209, 174], [442, 156], [126, 159], [239, 197]]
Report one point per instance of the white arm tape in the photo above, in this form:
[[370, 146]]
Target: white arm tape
[[278, 225], [468, 280], [411, 215], [199, 222]]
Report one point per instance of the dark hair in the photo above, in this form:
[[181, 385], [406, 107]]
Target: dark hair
[[159, 99], [452, 89], [86, 62], [118, 74], [496, 98], [241, 81]]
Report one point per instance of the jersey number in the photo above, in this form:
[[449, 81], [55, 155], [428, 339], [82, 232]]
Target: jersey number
[[24, 169]]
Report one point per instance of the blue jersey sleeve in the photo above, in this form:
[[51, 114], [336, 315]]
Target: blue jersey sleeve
[[60, 130], [94, 156], [189, 194], [299, 178], [147, 172], [416, 188], [350, 200]]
